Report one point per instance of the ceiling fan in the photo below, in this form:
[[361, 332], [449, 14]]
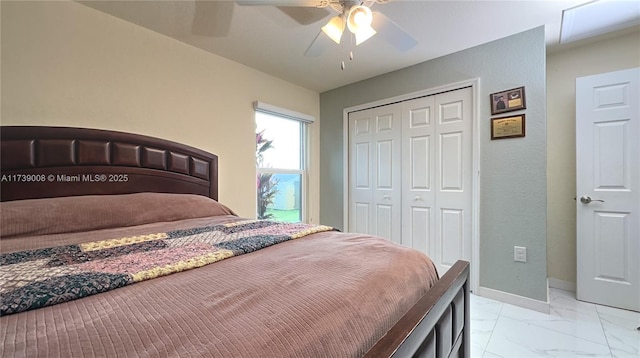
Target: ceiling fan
[[355, 16]]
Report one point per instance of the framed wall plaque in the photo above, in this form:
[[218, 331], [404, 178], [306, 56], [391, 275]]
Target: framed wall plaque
[[507, 101], [507, 127]]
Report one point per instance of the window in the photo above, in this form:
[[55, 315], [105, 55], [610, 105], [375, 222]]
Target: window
[[280, 163]]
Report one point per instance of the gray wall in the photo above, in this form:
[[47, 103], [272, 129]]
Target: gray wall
[[513, 171]]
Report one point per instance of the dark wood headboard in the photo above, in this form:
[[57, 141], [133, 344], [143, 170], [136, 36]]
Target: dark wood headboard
[[45, 162]]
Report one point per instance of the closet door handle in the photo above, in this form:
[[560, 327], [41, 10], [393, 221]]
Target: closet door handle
[[387, 197], [417, 198]]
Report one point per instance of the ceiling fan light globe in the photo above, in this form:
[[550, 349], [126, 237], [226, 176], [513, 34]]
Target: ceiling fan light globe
[[359, 17], [334, 29], [363, 34]]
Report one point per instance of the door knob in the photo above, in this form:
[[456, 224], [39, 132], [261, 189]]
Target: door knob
[[386, 197], [417, 198], [586, 199]]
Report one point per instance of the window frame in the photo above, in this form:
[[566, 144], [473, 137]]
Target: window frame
[[304, 120]]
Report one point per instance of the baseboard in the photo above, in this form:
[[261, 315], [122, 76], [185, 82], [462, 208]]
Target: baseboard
[[562, 285], [510, 298]]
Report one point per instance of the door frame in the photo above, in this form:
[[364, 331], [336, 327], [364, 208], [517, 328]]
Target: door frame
[[475, 145]]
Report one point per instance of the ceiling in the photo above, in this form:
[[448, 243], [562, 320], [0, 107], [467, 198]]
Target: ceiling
[[268, 39]]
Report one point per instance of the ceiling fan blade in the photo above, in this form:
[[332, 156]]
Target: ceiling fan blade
[[318, 45], [290, 3], [304, 15], [392, 32], [212, 18]]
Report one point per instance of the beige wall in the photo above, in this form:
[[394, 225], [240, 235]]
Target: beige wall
[[605, 55], [69, 65]]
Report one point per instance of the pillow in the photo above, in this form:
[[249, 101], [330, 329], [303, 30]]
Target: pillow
[[94, 212]]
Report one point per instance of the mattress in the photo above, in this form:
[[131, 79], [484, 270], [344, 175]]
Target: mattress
[[327, 294]]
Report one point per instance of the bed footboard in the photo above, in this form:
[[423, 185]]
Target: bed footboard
[[438, 325]]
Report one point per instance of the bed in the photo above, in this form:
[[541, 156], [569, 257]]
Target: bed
[[306, 291]]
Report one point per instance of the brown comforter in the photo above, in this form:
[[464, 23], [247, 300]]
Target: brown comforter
[[325, 295]]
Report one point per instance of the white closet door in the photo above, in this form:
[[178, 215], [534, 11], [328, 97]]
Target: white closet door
[[361, 152], [387, 189], [453, 178], [410, 174], [418, 168]]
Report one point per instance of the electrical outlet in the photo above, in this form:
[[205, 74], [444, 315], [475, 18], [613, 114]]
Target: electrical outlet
[[519, 254]]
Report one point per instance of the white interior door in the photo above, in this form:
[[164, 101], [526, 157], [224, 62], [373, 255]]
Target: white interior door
[[608, 188]]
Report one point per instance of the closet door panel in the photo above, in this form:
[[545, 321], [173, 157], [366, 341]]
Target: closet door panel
[[451, 161], [384, 169], [418, 158], [387, 180], [419, 225], [384, 221], [360, 215], [454, 163], [420, 165], [361, 153], [452, 224]]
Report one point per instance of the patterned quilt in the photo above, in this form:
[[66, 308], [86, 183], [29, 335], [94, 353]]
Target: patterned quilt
[[37, 278]]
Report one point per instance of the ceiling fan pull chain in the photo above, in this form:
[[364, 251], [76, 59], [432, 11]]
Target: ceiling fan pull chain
[[342, 65], [351, 47]]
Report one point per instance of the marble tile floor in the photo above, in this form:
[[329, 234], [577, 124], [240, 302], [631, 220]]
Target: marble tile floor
[[572, 329]]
